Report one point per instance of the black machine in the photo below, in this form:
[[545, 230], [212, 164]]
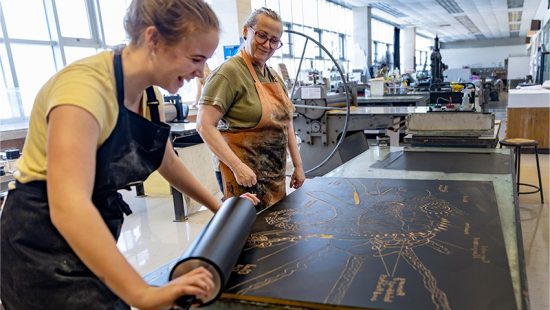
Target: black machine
[[437, 66], [182, 110]]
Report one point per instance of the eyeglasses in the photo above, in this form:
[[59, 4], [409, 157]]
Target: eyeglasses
[[262, 37]]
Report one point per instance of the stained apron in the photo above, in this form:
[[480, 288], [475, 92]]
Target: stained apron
[[39, 270], [263, 148]]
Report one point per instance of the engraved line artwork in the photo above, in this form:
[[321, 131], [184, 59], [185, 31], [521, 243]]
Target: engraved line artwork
[[380, 222]]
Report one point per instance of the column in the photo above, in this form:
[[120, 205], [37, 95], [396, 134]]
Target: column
[[362, 37], [408, 49], [232, 14]]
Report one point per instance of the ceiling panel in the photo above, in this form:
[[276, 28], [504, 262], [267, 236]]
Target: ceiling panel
[[457, 20]]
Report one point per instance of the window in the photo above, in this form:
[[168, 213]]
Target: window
[[287, 41], [17, 15], [382, 43], [422, 53], [112, 15], [35, 65], [30, 53], [73, 19], [319, 37], [61, 32], [304, 16], [342, 46]]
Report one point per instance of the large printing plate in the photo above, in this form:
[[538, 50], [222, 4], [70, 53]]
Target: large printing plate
[[379, 244]]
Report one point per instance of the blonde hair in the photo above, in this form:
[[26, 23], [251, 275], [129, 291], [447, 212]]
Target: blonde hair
[[173, 19], [251, 19]]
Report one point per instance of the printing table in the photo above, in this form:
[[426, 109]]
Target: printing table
[[445, 164], [461, 169]]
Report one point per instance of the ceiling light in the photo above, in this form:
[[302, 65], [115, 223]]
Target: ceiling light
[[514, 27], [450, 6], [388, 9], [514, 16], [467, 22], [514, 4]]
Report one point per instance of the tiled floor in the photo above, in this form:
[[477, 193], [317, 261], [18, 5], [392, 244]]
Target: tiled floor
[[151, 238], [535, 229]]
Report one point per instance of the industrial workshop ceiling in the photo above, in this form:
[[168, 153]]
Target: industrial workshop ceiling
[[458, 20]]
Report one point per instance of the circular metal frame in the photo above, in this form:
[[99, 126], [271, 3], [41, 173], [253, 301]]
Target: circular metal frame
[[346, 89]]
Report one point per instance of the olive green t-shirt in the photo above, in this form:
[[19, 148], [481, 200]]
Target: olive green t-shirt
[[231, 88]]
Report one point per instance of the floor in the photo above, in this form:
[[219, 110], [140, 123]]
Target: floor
[[151, 238]]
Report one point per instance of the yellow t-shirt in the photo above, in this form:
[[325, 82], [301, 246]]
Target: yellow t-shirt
[[88, 83]]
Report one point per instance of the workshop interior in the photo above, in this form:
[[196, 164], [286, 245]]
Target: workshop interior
[[424, 133]]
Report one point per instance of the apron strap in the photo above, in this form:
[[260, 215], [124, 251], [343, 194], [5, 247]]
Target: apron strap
[[250, 67], [152, 101], [248, 63], [117, 63], [153, 105]]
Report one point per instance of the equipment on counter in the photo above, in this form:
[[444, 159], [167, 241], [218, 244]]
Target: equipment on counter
[[218, 246], [444, 94], [181, 110], [452, 128]]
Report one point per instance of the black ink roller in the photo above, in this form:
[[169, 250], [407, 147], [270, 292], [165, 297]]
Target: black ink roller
[[218, 246]]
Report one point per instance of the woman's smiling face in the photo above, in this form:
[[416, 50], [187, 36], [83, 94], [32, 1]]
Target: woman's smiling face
[[265, 27], [185, 60]]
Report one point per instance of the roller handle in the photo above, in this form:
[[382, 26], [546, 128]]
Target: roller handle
[[184, 302]]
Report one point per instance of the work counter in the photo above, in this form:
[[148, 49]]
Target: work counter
[[528, 115]]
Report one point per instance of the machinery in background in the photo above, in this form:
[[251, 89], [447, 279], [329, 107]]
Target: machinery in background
[[452, 129], [175, 104], [311, 104], [329, 136], [330, 126], [437, 66]]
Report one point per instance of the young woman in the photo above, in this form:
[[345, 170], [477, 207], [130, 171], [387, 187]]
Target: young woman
[[87, 139]]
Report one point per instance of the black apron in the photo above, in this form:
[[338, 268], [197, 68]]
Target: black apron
[[39, 270]]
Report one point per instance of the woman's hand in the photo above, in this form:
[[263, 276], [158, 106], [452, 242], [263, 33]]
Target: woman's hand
[[198, 282], [244, 175], [298, 177], [252, 197]]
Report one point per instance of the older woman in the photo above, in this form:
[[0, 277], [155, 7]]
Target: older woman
[[252, 102]]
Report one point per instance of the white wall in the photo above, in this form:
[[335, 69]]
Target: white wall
[[480, 56], [231, 14], [518, 67]]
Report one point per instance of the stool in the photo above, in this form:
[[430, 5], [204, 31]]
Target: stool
[[517, 144]]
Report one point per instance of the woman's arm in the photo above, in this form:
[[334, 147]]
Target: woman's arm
[[298, 176], [207, 123], [175, 172], [72, 145]]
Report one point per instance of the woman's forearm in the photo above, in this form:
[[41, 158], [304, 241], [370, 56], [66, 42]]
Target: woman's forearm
[[175, 172]]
